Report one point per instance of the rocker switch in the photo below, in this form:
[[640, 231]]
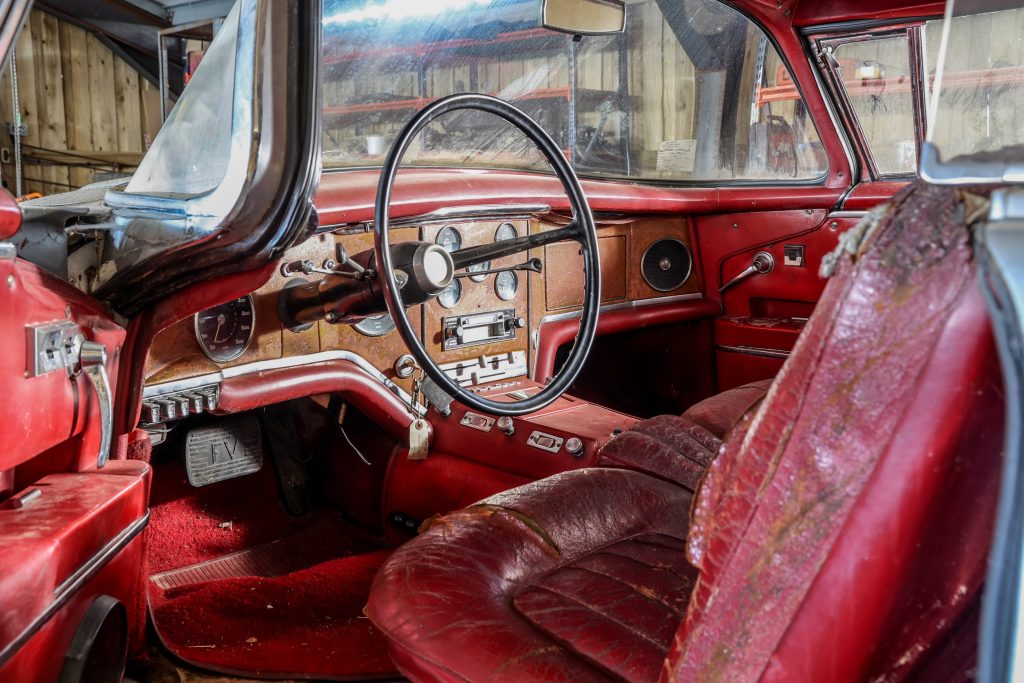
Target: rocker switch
[[545, 442], [793, 255]]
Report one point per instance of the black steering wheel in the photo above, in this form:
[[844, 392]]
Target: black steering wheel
[[581, 229]]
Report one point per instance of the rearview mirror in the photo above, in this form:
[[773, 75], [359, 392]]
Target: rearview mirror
[[584, 17]]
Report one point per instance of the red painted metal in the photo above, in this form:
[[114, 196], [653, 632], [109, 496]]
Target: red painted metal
[[40, 414], [342, 377], [811, 13], [10, 215], [70, 524]]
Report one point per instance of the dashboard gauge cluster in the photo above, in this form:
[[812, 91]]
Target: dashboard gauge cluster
[[375, 325], [224, 332]]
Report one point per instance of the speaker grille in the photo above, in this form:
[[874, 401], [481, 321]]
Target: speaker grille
[[666, 265]]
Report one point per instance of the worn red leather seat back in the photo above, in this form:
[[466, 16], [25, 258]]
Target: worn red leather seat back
[[842, 535]]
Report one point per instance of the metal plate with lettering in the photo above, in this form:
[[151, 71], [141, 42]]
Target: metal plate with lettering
[[545, 442], [232, 448]]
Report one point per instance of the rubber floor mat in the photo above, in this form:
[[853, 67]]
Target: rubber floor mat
[[290, 608]]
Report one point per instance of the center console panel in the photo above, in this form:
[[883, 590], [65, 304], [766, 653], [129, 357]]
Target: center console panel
[[474, 456]]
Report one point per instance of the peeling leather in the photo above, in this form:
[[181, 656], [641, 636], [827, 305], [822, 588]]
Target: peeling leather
[[774, 503]]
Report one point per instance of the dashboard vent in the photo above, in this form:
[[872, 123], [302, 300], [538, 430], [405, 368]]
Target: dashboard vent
[[666, 265]]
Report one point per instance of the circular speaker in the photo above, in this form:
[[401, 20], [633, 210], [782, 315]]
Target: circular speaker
[[666, 265]]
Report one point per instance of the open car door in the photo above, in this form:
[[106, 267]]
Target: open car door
[[88, 277]]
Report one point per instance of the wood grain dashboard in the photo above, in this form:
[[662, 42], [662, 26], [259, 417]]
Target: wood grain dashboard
[[557, 291]]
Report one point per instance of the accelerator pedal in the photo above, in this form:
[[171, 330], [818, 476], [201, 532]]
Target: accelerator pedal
[[291, 461], [230, 448]]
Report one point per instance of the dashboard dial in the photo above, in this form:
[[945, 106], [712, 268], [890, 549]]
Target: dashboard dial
[[506, 284], [506, 231], [451, 295], [476, 269], [375, 325], [449, 239], [224, 332]]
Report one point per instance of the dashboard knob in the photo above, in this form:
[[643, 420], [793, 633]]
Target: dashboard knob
[[507, 425], [520, 322], [574, 445]]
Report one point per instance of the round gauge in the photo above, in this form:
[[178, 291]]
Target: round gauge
[[375, 325], [476, 269], [506, 284], [449, 239], [506, 231], [224, 331], [451, 295]]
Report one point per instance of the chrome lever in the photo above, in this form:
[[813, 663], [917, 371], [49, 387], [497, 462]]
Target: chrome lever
[[93, 359], [763, 264]]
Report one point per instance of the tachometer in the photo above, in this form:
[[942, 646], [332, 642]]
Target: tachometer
[[224, 332], [506, 284], [375, 325]]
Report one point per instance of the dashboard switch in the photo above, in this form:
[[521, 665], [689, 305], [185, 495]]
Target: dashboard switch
[[480, 423], [574, 445], [545, 442]]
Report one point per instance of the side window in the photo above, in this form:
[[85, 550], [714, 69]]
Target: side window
[[875, 74], [983, 82]]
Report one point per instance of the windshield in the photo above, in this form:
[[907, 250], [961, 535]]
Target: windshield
[[692, 91]]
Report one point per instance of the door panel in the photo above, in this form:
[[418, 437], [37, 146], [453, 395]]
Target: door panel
[[763, 314], [49, 412]]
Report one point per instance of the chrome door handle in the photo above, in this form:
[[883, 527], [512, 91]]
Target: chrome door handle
[[763, 264], [93, 359]]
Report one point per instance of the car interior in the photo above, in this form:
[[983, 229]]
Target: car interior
[[637, 353]]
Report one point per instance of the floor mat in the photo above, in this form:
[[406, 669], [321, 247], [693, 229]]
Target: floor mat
[[289, 608], [220, 554]]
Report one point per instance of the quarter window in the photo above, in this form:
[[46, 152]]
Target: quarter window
[[876, 76]]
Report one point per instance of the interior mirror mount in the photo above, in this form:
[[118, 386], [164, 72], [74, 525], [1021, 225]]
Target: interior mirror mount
[[584, 17]]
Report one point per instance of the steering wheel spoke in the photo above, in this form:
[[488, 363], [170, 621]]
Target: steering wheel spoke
[[473, 256], [581, 229]]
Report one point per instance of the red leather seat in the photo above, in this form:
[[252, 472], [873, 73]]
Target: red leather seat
[[679, 449], [840, 535]]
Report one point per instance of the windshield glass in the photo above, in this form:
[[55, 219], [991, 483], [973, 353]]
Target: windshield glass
[[975, 62], [692, 91]]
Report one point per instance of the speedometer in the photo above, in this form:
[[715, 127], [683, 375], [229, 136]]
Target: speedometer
[[224, 332], [375, 325]]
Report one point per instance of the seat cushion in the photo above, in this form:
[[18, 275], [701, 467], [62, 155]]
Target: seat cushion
[[581, 576], [679, 449]]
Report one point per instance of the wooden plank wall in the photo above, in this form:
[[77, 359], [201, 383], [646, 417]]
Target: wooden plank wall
[[78, 96]]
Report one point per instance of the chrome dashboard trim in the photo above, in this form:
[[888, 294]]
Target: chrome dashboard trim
[[754, 351], [619, 306], [450, 213], [622, 305], [157, 390], [847, 214]]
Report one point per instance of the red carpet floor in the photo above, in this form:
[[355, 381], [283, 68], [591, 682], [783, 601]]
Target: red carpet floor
[[266, 596]]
